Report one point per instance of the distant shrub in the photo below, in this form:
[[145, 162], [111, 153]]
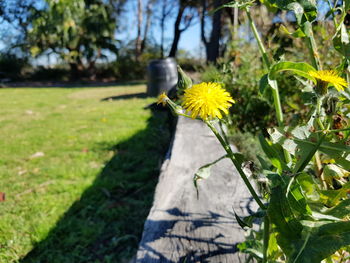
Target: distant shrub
[[12, 67], [58, 73], [127, 67], [188, 62]]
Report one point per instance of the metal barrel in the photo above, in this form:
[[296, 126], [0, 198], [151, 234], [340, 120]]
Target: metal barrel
[[161, 76]]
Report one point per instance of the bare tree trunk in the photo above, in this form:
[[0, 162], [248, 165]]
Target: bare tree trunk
[[235, 23], [162, 28], [215, 34], [139, 26], [202, 12], [212, 46], [147, 25], [177, 31]]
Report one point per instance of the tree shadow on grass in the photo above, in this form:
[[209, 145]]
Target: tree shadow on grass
[[70, 85], [106, 223], [127, 96]]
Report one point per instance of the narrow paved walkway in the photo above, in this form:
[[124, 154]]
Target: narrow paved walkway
[[182, 228]]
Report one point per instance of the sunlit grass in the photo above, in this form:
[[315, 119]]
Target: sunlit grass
[[54, 146]]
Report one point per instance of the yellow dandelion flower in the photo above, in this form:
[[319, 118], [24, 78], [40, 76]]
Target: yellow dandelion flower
[[162, 99], [207, 101], [325, 77]]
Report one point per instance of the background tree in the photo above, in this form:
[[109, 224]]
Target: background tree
[[139, 28], [184, 17], [143, 27], [147, 25], [78, 31], [167, 8], [213, 44]]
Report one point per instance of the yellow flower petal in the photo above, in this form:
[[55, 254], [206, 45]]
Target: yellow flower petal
[[207, 101], [162, 99], [331, 77]]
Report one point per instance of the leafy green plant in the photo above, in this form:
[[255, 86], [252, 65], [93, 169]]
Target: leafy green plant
[[305, 211]]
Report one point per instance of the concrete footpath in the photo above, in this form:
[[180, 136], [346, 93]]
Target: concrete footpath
[[182, 228]]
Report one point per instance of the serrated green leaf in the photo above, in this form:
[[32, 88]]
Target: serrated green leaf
[[308, 12], [242, 223], [297, 9], [282, 216], [247, 221], [204, 172], [271, 7], [320, 240], [306, 156], [309, 186], [263, 84], [297, 33], [263, 163], [276, 158], [341, 210], [300, 68], [239, 4], [347, 5], [341, 41]]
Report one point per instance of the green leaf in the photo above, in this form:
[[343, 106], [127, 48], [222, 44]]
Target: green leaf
[[305, 10], [297, 33], [300, 68], [263, 163], [341, 41], [204, 172], [276, 158], [333, 197], [309, 186], [306, 157], [248, 220], [263, 83], [273, 249], [273, 84], [334, 172], [271, 7], [239, 4], [347, 5], [281, 215], [341, 210], [300, 142], [298, 10], [320, 240]]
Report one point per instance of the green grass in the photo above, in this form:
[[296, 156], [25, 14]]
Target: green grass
[[86, 197]]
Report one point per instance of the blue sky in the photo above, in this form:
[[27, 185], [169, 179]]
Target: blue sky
[[190, 39]]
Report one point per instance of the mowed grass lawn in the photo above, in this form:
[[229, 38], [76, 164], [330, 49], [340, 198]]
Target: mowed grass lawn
[[78, 171]]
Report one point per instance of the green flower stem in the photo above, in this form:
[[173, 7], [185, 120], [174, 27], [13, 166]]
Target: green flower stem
[[277, 103], [275, 91], [236, 164], [317, 154], [333, 14], [311, 44], [266, 238], [258, 39], [318, 113]]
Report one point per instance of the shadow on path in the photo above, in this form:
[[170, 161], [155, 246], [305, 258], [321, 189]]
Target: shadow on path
[[106, 223], [189, 232]]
